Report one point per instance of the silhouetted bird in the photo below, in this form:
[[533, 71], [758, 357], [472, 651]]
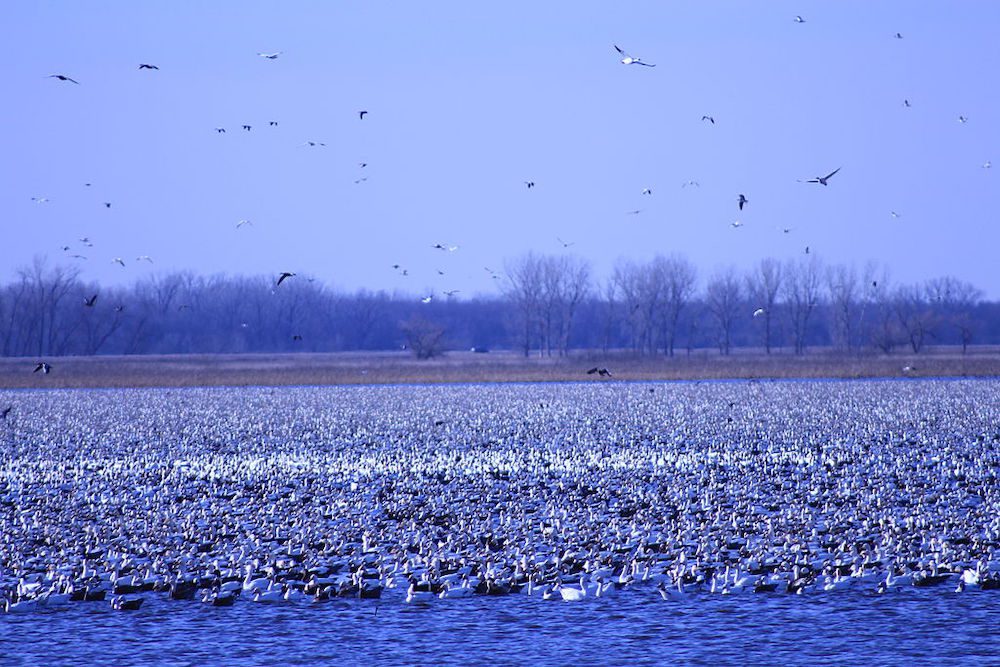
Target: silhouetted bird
[[361, 115], [6, 411], [530, 184], [272, 123], [63, 77], [43, 367], [89, 303], [246, 127], [601, 372], [709, 119], [296, 337], [271, 56], [823, 179], [742, 200], [220, 130], [145, 66], [284, 275]]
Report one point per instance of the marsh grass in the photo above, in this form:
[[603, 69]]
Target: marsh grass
[[401, 368]]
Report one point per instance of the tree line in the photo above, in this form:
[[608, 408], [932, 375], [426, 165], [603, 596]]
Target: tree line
[[548, 305]]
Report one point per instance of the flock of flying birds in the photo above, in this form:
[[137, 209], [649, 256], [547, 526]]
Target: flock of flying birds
[[742, 200]]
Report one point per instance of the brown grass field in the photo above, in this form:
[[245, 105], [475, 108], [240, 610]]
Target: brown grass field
[[501, 366]]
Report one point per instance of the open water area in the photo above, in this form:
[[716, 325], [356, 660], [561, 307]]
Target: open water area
[[810, 522]]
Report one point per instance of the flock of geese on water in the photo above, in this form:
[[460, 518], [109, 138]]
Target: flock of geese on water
[[423, 493]]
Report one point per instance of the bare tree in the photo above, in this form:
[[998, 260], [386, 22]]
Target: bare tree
[[801, 290], [423, 337], [914, 316], [954, 300], [675, 277], [763, 283], [845, 290], [525, 286], [724, 300]]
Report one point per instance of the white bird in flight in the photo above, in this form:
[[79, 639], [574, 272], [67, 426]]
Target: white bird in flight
[[243, 222], [271, 56], [758, 312], [629, 60], [736, 224], [118, 260], [144, 258], [427, 299]]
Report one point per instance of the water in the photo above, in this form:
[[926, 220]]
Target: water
[[915, 626]]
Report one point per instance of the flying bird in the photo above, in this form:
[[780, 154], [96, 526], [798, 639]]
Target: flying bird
[[314, 143], [284, 275], [427, 299], [823, 179], [634, 212], [894, 214], [987, 164], [736, 224], [564, 243], [220, 130], [243, 222], [89, 303], [741, 200], [78, 257], [145, 66], [107, 204], [602, 372], [807, 250], [40, 200], [6, 411], [297, 337], [906, 103], [144, 258], [361, 115], [119, 308], [272, 123], [709, 119], [62, 77], [449, 248], [629, 60], [86, 241], [787, 230], [246, 127], [694, 183], [271, 56], [361, 180], [899, 35], [530, 184], [963, 119], [451, 292], [118, 260], [799, 19], [647, 191], [758, 312], [43, 367]]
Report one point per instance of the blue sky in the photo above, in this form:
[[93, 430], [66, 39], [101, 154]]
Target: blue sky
[[467, 101]]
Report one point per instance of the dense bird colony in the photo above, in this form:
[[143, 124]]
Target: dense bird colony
[[562, 492]]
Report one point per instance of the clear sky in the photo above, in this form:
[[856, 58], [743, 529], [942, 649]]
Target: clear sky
[[466, 101]]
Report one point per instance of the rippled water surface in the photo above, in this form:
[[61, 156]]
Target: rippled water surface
[[334, 437], [637, 628]]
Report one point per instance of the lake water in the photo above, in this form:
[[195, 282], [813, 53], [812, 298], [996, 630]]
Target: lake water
[[915, 626]]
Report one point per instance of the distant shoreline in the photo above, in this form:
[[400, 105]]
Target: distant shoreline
[[358, 368]]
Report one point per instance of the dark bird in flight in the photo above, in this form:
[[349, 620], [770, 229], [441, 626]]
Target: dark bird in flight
[[906, 103], [145, 66], [451, 292], [271, 56], [602, 372], [272, 123], [89, 303], [899, 35], [62, 77], [296, 337], [565, 244], [530, 184], [6, 411], [220, 130], [629, 60], [741, 200], [963, 119], [799, 19], [823, 179], [107, 204], [709, 119], [647, 191], [694, 183], [361, 115], [284, 275], [314, 143], [246, 127], [43, 367]]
